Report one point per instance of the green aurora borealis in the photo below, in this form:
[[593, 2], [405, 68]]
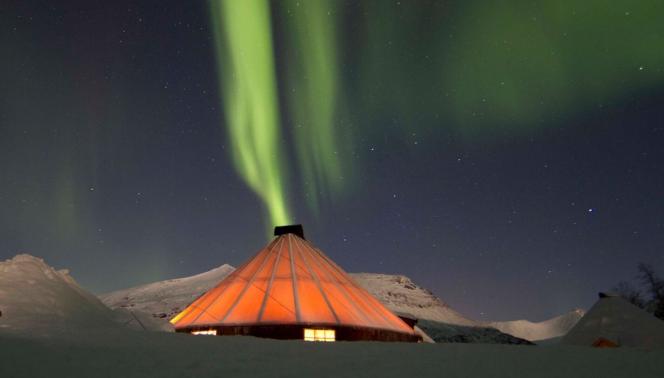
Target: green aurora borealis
[[247, 69], [481, 69], [250, 100]]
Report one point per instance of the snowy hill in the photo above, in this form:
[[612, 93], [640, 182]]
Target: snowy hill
[[404, 297], [165, 299], [534, 331], [39, 300]]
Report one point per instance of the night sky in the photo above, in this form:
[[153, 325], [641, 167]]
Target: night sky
[[507, 155]]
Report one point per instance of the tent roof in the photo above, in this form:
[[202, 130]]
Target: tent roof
[[619, 321], [289, 282]]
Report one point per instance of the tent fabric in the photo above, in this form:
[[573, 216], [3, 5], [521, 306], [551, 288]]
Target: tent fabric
[[616, 320], [289, 282]]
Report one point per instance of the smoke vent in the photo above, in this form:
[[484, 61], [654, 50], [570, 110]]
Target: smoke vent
[[295, 229]]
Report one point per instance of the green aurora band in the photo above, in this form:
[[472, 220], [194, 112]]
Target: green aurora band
[[313, 90], [243, 37], [407, 70]]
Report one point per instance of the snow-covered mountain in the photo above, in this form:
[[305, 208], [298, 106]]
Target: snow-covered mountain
[[436, 318], [39, 300], [165, 299], [535, 331], [404, 297]]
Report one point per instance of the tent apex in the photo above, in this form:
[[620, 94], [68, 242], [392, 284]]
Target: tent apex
[[295, 229]]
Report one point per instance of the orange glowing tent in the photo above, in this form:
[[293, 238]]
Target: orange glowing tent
[[292, 290]]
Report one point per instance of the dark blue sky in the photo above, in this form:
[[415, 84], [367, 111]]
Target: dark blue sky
[[115, 162]]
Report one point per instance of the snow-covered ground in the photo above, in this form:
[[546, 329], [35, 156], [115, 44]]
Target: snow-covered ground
[[51, 327], [133, 354], [536, 331]]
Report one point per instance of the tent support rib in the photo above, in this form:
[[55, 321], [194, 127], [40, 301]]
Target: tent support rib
[[296, 299]]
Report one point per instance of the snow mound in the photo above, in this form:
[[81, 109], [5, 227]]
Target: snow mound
[[618, 321], [36, 299], [535, 331], [165, 299]]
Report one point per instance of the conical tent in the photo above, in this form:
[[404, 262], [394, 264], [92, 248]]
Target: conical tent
[[292, 290], [614, 320]]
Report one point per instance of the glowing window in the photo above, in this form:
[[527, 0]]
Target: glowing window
[[319, 334], [212, 332]]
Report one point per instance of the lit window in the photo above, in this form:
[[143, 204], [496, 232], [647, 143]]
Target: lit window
[[319, 334], [212, 332]]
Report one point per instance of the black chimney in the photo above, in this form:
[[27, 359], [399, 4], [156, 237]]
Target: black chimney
[[290, 229]]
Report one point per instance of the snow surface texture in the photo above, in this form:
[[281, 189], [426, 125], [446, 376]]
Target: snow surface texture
[[617, 320], [151, 354], [548, 329]]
